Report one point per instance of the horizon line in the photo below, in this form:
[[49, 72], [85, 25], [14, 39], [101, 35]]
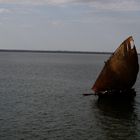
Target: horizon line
[[54, 51]]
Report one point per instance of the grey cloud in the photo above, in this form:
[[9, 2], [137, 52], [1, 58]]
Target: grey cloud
[[5, 10], [112, 5]]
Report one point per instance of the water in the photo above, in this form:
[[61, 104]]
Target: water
[[41, 99]]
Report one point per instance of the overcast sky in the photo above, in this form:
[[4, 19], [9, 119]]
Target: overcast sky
[[76, 25]]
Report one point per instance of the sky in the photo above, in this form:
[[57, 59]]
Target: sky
[[73, 25]]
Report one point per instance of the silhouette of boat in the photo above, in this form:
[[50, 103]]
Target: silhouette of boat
[[120, 71]]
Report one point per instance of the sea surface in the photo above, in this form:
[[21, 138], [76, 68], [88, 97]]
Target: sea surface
[[41, 98]]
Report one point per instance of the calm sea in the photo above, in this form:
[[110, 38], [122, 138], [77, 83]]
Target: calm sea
[[41, 99]]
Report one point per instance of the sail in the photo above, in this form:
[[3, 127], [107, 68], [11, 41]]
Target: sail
[[120, 70]]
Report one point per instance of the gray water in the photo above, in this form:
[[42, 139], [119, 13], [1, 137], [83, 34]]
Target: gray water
[[41, 99]]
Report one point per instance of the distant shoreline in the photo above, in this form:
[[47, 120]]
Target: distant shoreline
[[44, 51]]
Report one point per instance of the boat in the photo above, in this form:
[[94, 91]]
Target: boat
[[120, 71]]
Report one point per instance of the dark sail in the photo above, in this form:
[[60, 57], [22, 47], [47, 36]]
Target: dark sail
[[120, 70]]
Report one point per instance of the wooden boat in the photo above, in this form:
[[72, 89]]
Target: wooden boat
[[120, 70]]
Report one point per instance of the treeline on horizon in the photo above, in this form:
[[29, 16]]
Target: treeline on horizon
[[52, 51], [57, 51]]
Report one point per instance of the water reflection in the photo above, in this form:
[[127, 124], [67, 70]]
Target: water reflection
[[116, 118]]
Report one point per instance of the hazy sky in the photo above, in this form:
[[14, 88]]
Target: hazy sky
[[77, 25]]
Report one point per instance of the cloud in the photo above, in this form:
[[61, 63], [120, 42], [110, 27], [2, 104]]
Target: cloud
[[56, 23], [52, 2], [4, 10], [113, 5], [119, 5]]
